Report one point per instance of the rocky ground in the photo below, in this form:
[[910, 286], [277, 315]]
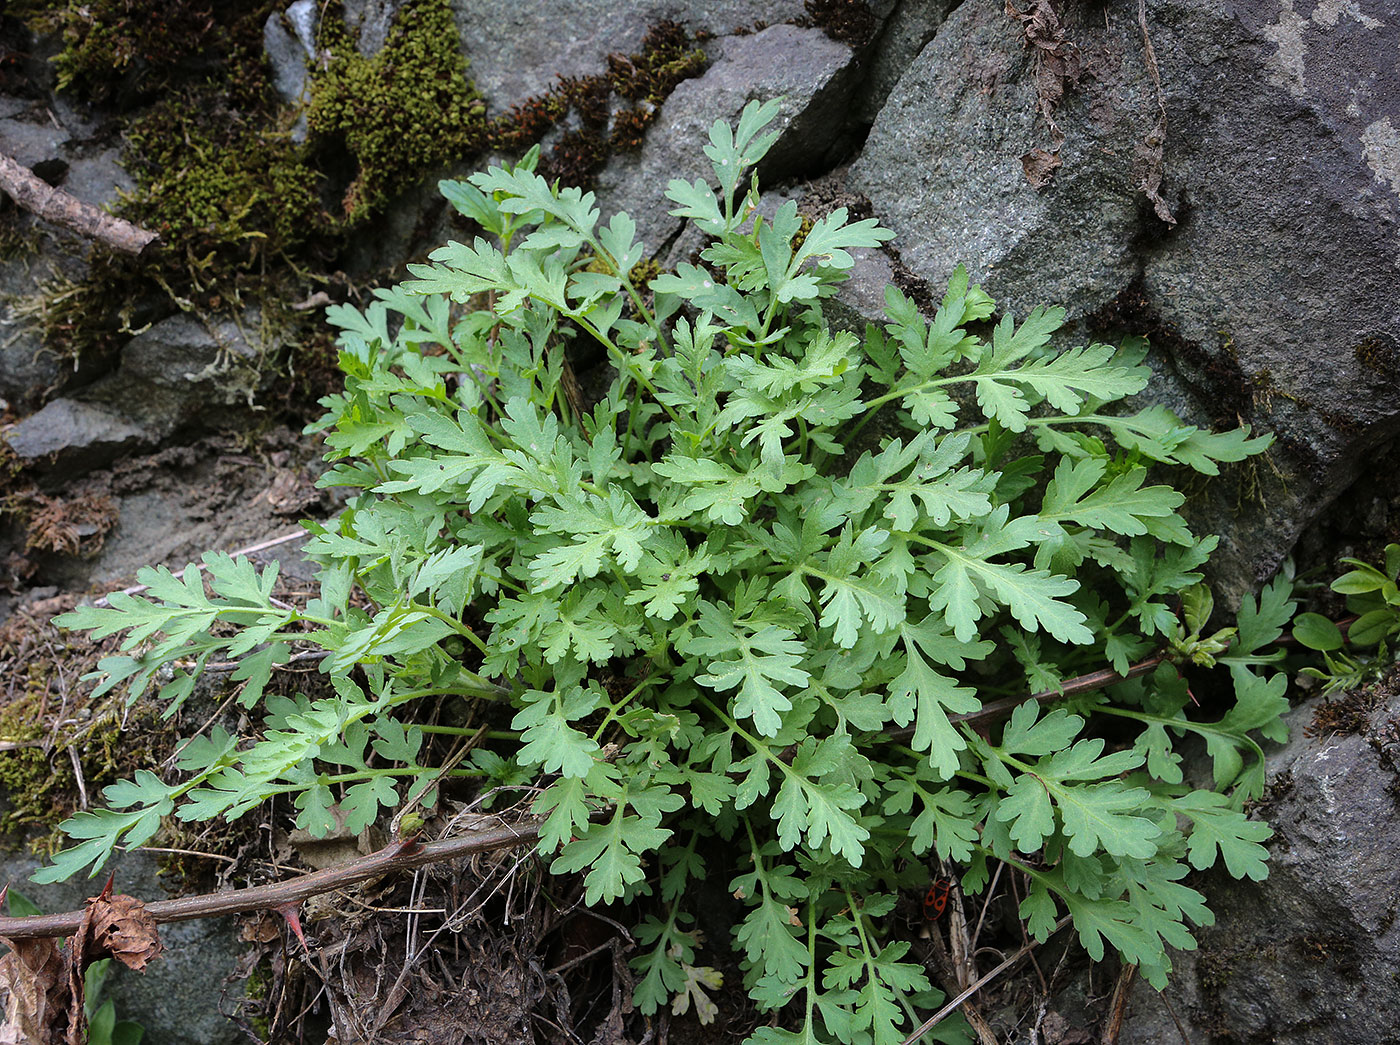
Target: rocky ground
[[1223, 179]]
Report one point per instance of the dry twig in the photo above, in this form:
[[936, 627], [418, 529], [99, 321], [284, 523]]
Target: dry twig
[[32, 193], [947, 1010], [398, 856], [137, 589]]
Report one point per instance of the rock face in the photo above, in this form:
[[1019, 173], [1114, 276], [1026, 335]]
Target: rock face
[[1308, 956], [811, 73], [1246, 213], [943, 168], [55, 142], [519, 47], [168, 375], [73, 435]]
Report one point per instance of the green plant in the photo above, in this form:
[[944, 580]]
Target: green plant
[[717, 606], [1373, 596]]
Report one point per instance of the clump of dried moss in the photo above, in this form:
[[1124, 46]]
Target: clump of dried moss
[[611, 111]]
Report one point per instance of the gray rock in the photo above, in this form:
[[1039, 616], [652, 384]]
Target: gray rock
[[287, 58], [1280, 161], [73, 436], [812, 73], [54, 139], [369, 22], [301, 16], [518, 48], [904, 33], [180, 367], [31, 141], [169, 375], [97, 177], [1306, 957], [177, 998], [862, 297], [57, 148], [289, 44], [1283, 267], [943, 169]]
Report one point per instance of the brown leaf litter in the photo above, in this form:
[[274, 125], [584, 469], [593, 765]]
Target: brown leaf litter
[[41, 981]]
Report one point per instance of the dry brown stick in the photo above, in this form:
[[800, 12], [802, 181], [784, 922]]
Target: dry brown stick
[[398, 856], [1118, 1009], [261, 546], [1080, 684], [947, 1010], [37, 196]]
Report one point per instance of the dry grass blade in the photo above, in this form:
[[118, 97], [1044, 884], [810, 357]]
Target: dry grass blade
[[952, 1006]]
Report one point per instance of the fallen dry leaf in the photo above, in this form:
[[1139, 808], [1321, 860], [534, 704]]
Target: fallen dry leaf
[[119, 926], [261, 928], [34, 993], [1040, 166]]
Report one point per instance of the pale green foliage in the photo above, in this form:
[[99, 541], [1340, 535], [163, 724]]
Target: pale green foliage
[[1373, 597], [803, 610]]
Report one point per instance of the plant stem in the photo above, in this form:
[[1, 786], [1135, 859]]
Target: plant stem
[[404, 855]]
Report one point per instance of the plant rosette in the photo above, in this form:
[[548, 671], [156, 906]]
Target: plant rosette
[[714, 604]]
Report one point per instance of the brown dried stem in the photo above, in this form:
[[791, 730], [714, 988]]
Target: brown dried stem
[[1080, 684], [947, 1010], [32, 193], [397, 856]]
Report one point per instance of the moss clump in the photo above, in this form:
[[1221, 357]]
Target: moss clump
[[404, 110], [245, 212], [125, 50], [50, 724], [668, 55], [209, 180]]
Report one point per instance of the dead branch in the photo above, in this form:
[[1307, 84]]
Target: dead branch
[[1080, 684], [32, 193], [398, 856], [1100, 679], [947, 1010], [1119, 1006]]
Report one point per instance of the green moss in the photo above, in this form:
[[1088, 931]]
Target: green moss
[[256, 989], [400, 112], [127, 49], [207, 181], [38, 785], [244, 212], [46, 712]]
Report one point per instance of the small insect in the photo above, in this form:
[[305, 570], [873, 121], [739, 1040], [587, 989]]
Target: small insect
[[936, 899]]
